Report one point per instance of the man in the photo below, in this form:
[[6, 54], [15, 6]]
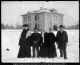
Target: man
[[24, 50], [36, 40], [62, 40]]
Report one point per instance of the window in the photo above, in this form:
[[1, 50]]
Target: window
[[29, 18], [26, 18], [38, 17], [37, 25], [35, 18]]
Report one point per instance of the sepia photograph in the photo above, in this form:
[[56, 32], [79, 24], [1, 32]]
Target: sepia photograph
[[40, 31]]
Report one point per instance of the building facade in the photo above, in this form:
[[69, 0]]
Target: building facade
[[43, 19]]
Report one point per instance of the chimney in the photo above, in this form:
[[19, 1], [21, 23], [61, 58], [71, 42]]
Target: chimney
[[53, 10]]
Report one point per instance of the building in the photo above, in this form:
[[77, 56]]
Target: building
[[43, 19]]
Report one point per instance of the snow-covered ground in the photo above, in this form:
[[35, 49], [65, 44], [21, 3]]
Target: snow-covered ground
[[10, 39]]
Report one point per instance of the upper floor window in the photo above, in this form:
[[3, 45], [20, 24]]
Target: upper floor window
[[26, 18], [29, 18], [36, 18]]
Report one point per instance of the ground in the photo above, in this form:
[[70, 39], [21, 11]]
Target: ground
[[10, 39]]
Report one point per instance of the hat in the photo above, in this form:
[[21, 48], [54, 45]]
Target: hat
[[25, 25], [61, 26]]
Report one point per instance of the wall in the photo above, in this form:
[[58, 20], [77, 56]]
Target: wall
[[47, 20], [52, 19], [32, 21], [41, 20]]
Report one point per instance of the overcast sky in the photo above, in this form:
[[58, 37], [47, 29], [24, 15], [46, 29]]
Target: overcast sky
[[11, 10]]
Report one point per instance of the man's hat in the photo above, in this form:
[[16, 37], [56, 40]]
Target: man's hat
[[61, 26], [25, 25]]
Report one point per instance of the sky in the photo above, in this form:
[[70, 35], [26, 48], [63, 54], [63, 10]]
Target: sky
[[11, 11]]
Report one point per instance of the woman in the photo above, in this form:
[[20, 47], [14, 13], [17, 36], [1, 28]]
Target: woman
[[44, 47], [48, 48], [24, 50], [52, 49]]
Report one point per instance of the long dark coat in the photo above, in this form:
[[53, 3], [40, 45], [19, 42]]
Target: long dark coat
[[61, 39], [24, 50], [48, 48], [44, 47], [52, 49]]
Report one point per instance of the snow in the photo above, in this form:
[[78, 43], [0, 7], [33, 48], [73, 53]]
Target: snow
[[10, 39]]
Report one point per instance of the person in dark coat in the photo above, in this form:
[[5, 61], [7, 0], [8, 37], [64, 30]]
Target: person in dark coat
[[62, 40], [51, 44], [24, 50], [36, 40], [48, 48], [44, 47]]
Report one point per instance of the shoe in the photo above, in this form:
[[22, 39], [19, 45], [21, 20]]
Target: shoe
[[33, 57], [65, 58], [61, 55]]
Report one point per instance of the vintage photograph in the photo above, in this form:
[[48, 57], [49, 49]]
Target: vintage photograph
[[40, 31]]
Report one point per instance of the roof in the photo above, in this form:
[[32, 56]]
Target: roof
[[42, 10]]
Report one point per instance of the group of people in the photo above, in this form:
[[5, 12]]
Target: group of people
[[44, 45]]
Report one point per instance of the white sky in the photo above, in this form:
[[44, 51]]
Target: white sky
[[11, 10]]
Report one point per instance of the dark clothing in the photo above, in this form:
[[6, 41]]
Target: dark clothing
[[23, 36], [43, 51], [36, 40], [44, 47], [36, 37], [63, 53], [37, 49], [48, 48], [24, 50], [52, 49], [62, 39]]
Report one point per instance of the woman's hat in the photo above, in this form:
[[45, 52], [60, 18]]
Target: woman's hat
[[61, 26], [25, 25]]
